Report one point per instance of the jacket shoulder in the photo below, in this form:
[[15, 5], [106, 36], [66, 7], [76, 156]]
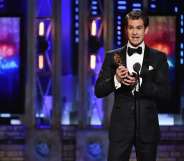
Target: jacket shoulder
[[156, 53]]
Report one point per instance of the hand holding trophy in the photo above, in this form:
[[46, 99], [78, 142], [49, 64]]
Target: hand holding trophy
[[122, 74]]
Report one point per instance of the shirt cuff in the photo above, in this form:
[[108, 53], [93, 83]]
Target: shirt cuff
[[116, 83]]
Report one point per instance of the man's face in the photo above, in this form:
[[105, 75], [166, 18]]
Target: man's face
[[136, 31]]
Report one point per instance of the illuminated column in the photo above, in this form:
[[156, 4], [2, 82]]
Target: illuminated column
[[44, 69], [83, 62], [108, 44], [29, 117], [41, 140], [57, 67], [41, 32], [95, 111]]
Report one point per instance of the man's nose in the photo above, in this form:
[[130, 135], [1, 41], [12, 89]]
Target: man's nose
[[134, 31]]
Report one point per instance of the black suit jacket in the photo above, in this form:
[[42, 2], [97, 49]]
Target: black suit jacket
[[154, 88]]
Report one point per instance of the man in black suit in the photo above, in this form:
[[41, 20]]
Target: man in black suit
[[138, 76]]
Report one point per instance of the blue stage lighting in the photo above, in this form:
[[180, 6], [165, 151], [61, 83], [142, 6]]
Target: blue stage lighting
[[76, 30], [76, 1], [181, 30], [136, 5], [94, 7], [122, 7], [181, 46], [94, 2], [8, 65], [76, 9], [118, 17], [176, 9], [76, 39], [118, 32], [181, 23], [118, 43], [119, 22], [5, 115], [181, 61], [118, 27], [119, 37], [122, 2], [94, 13], [76, 17], [181, 53], [2, 5], [153, 6], [76, 24]]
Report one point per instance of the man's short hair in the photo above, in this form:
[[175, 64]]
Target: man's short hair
[[135, 15]]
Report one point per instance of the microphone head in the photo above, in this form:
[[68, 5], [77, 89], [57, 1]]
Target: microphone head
[[137, 67]]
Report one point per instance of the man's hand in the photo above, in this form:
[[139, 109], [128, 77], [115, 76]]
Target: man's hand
[[121, 73], [130, 80]]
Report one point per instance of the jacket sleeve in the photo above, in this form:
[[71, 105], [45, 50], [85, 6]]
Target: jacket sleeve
[[105, 81], [155, 83]]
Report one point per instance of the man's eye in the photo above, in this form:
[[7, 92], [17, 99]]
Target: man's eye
[[139, 28]]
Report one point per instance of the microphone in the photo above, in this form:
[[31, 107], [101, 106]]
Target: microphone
[[137, 67]]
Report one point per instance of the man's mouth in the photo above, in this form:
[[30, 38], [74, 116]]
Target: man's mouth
[[135, 37]]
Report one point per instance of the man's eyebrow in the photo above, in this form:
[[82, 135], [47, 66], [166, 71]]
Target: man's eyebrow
[[136, 26], [140, 26]]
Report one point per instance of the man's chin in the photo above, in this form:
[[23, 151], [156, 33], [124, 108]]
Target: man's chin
[[135, 43]]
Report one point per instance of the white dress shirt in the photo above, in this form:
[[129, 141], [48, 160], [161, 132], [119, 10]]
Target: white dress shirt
[[130, 61]]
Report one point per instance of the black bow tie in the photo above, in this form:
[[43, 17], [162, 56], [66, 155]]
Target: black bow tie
[[131, 51]]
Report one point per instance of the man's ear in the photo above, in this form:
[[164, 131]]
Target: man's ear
[[146, 30]]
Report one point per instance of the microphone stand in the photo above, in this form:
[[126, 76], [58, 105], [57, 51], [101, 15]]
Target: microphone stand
[[137, 108], [136, 100], [137, 105]]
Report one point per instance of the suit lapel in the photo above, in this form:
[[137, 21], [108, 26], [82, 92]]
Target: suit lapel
[[146, 60]]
